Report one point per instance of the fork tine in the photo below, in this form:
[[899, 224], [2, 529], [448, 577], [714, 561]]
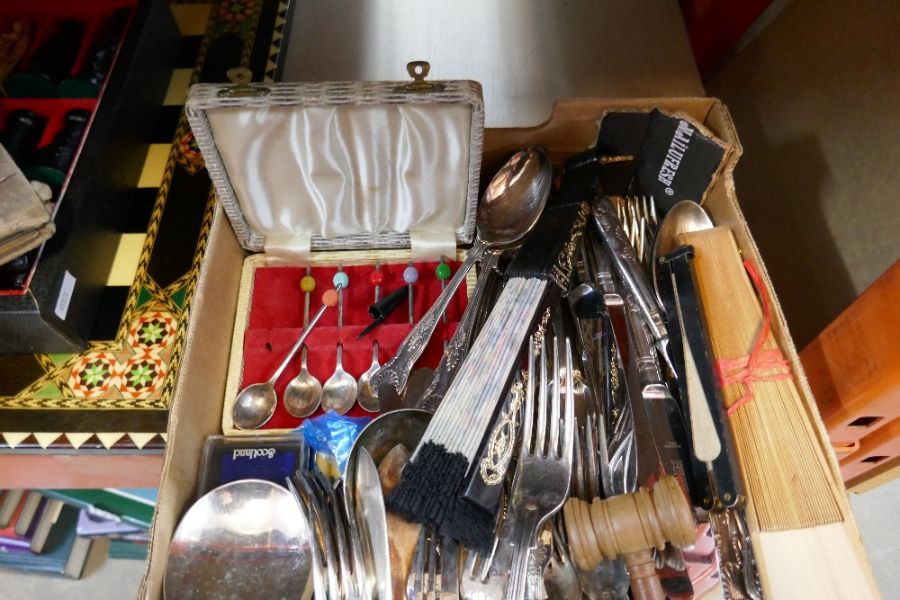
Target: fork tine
[[641, 238], [559, 541], [540, 434], [528, 411], [569, 418], [578, 475], [592, 478], [417, 572], [433, 555], [449, 568], [553, 443]]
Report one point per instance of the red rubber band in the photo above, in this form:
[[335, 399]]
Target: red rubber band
[[761, 364]]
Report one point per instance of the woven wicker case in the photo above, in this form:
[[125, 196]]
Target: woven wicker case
[[363, 248], [204, 98]]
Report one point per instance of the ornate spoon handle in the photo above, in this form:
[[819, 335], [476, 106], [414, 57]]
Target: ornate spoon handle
[[396, 371], [459, 343]]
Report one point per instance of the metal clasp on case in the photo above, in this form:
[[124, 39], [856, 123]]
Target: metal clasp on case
[[241, 78], [418, 70]]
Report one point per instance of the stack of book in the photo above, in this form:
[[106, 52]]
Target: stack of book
[[52, 531]]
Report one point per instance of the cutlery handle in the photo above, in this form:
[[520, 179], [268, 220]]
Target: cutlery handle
[[599, 265], [396, 371], [629, 268], [459, 343], [641, 345], [518, 575], [297, 344]]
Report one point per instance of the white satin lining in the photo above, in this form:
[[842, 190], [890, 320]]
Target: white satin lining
[[334, 171]]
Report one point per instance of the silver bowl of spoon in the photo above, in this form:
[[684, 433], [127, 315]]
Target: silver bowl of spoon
[[246, 539], [339, 392], [684, 217], [303, 392], [256, 403], [403, 426], [368, 396]]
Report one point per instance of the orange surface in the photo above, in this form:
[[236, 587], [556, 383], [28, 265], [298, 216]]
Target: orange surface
[[854, 371]]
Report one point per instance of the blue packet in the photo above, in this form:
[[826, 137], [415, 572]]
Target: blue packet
[[333, 434]]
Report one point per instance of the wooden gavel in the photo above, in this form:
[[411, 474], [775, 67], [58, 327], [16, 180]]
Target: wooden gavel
[[629, 526]]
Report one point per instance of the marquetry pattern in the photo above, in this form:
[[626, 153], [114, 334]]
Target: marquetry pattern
[[277, 41], [137, 370]]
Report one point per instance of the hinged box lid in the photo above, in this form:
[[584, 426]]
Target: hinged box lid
[[344, 165]]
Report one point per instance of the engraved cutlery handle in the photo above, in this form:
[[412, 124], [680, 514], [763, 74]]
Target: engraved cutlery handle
[[521, 551], [396, 371], [629, 267], [641, 347]]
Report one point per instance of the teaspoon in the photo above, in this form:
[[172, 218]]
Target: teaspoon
[[303, 392], [339, 392], [255, 405], [368, 397]]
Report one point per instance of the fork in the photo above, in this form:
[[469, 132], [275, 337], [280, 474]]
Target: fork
[[544, 470], [434, 574], [609, 579]]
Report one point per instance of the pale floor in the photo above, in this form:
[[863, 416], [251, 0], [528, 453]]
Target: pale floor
[[877, 512]]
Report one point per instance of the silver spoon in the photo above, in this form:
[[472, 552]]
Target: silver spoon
[[509, 209], [303, 392], [339, 392], [368, 397], [684, 217], [255, 405], [215, 552]]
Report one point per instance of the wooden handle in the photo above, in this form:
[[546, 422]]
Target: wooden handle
[[628, 524], [645, 583], [402, 543], [403, 535]]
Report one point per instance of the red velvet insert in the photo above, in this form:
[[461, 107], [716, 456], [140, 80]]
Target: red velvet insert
[[276, 321]]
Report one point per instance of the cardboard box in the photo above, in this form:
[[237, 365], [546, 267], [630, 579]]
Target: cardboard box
[[196, 410]]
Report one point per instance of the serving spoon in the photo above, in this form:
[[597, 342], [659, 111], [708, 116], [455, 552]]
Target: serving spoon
[[256, 403], [246, 539], [509, 209]]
